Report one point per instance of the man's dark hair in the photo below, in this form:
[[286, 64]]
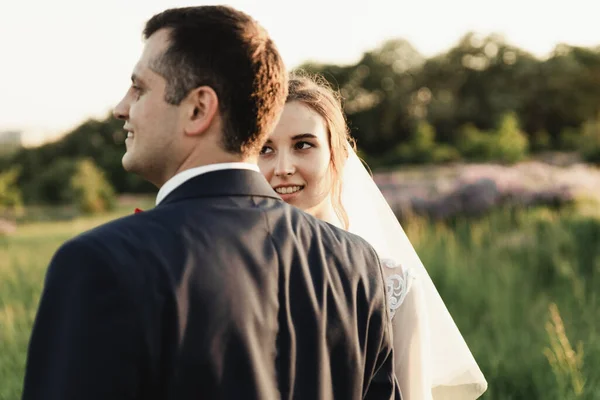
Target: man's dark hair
[[225, 49]]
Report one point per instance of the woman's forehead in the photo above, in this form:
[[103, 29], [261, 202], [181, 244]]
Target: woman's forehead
[[297, 119]]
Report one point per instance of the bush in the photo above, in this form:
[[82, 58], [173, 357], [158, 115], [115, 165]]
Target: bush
[[590, 141], [422, 148], [50, 185], [11, 202], [507, 144], [474, 144], [510, 142], [90, 190], [569, 139], [541, 141], [444, 153]]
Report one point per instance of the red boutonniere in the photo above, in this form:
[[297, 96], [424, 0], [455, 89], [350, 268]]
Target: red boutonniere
[[138, 210]]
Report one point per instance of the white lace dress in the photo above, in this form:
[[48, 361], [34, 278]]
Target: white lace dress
[[410, 331]]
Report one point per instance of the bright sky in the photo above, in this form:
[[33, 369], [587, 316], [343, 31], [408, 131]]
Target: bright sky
[[64, 61]]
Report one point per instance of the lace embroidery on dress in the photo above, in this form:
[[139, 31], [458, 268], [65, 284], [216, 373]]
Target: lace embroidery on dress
[[397, 285]]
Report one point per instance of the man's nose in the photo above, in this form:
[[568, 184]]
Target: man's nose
[[284, 165], [121, 110]]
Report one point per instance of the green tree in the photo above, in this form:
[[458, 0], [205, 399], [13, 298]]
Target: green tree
[[510, 142], [92, 193], [476, 83], [11, 202], [44, 179], [51, 184], [590, 141]]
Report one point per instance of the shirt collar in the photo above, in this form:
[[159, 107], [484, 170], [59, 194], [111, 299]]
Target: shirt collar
[[188, 174]]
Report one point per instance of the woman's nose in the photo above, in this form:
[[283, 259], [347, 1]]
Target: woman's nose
[[284, 165]]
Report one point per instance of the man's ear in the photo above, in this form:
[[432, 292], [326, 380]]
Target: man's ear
[[202, 106]]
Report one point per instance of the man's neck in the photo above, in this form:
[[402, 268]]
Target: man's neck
[[213, 160], [207, 158]]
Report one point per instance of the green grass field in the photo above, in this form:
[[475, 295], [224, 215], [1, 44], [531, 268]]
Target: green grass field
[[522, 286]]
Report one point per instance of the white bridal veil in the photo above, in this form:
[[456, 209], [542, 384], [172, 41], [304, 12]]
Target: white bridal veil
[[435, 351]]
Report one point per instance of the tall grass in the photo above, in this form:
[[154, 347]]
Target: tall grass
[[24, 257], [504, 278], [520, 284]]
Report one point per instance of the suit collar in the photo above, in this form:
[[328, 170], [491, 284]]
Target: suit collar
[[228, 182], [188, 174]]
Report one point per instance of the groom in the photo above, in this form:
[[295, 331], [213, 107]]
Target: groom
[[222, 291]]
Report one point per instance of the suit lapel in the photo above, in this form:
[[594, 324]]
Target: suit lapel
[[229, 182]]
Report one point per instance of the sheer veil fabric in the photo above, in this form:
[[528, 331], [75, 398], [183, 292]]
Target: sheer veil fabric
[[433, 360]]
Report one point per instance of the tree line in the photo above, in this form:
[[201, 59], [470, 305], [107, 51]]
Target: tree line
[[482, 100]]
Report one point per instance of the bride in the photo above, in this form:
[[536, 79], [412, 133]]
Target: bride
[[308, 160]]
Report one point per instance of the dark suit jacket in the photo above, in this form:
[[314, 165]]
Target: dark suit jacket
[[223, 291]]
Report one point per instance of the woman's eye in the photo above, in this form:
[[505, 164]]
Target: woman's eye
[[266, 150], [303, 145]]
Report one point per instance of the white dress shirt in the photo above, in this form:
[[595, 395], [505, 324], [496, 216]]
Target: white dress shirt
[[188, 174]]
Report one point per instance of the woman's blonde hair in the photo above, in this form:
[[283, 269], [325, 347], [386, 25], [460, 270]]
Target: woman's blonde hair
[[315, 92]]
